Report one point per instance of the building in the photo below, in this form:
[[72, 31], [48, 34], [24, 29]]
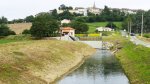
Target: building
[[84, 11], [65, 21], [100, 29], [67, 31], [94, 10]]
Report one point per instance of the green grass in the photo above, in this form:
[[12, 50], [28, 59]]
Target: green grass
[[147, 35], [15, 38], [2, 41], [93, 26], [134, 59]]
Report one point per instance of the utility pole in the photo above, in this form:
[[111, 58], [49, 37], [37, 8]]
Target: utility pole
[[130, 27], [142, 26]]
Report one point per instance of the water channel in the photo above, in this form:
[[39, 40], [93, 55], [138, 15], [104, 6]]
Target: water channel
[[102, 68]]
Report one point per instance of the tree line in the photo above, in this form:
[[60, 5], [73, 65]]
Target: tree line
[[4, 29], [134, 21]]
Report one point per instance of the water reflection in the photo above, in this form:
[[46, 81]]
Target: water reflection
[[102, 68]]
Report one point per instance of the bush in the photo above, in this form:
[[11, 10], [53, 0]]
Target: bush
[[87, 35], [5, 31], [147, 35], [81, 35], [94, 35], [18, 37], [26, 31], [106, 33], [79, 27], [111, 25], [12, 33]]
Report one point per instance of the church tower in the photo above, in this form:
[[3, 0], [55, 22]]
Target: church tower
[[94, 6]]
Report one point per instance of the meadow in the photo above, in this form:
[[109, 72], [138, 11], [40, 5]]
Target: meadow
[[93, 26], [19, 27]]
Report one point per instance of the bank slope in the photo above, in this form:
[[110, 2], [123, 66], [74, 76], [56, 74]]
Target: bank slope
[[135, 59], [39, 62]]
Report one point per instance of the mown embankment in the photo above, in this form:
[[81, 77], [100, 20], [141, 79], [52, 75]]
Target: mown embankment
[[39, 62], [135, 59]]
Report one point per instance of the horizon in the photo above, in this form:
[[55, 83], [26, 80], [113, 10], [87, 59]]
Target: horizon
[[20, 9]]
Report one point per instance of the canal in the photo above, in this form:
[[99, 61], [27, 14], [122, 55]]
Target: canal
[[102, 68]]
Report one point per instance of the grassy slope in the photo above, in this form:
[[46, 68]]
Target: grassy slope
[[19, 27], [14, 38], [134, 59], [93, 26], [39, 62]]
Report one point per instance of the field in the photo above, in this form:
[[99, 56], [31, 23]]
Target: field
[[133, 58], [93, 26], [19, 27]]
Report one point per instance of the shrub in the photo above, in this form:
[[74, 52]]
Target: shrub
[[94, 35], [26, 31], [147, 35], [106, 33], [5, 31]]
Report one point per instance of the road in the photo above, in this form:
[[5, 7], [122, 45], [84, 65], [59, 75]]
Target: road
[[135, 40]]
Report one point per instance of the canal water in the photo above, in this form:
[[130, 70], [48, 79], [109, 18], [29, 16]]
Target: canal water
[[102, 68]]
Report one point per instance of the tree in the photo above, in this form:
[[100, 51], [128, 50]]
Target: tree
[[65, 8], [54, 14], [26, 31], [80, 19], [44, 26], [3, 20], [18, 21], [5, 31], [79, 27], [29, 18], [111, 25], [66, 15]]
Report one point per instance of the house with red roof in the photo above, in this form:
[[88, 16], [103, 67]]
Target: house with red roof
[[67, 31]]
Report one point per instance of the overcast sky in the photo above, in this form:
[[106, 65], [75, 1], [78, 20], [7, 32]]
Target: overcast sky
[[21, 8]]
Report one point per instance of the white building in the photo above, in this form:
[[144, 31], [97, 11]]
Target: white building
[[65, 21], [84, 11], [100, 29]]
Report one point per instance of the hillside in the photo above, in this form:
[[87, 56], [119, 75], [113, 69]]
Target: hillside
[[39, 62], [19, 27]]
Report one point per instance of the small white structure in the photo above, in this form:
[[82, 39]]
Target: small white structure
[[65, 21], [104, 29], [67, 31]]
